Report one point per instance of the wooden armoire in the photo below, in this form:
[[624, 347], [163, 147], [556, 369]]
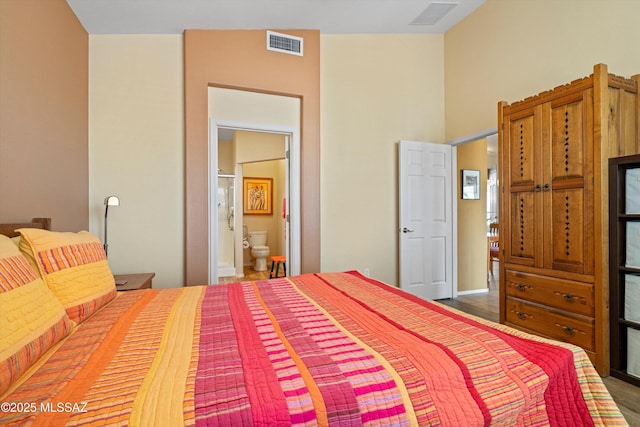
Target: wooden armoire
[[554, 257]]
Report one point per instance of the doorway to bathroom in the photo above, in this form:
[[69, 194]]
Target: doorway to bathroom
[[252, 127], [246, 154]]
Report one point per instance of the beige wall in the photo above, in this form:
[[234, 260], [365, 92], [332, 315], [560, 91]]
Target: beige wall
[[136, 152], [43, 114], [376, 90], [472, 220], [507, 50]]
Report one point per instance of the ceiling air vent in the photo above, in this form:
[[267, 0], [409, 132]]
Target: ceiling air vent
[[433, 13], [284, 43]]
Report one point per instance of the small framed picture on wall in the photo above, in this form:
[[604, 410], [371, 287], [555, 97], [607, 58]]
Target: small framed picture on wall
[[470, 184], [257, 196]]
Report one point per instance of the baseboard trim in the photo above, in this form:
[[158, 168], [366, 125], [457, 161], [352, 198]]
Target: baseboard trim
[[474, 291]]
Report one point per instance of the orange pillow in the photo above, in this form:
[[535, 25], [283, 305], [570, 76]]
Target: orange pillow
[[32, 319], [74, 266]]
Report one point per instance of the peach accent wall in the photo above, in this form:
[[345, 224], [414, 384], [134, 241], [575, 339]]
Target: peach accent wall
[[239, 59], [43, 114]]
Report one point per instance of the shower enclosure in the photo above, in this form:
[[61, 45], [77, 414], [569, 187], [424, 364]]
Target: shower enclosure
[[226, 219]]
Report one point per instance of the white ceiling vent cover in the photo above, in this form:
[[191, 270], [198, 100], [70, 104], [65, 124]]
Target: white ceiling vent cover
[[433, 13], [285, 43]]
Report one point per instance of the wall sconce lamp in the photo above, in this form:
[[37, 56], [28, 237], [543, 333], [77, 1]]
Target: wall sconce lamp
[[108, 201]]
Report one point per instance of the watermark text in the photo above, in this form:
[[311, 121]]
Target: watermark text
[[22, 407]]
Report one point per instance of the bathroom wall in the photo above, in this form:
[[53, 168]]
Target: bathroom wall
[[258, 154], [258, 146], [226, 157], [262, 155], [273, 224]]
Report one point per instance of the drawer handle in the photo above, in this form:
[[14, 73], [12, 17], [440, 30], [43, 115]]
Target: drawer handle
[[570, 330], [571, 297], [521, 287], [521, 315]]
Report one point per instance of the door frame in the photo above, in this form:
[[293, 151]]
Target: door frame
[[454, 218], [454, 143], [292, 174]]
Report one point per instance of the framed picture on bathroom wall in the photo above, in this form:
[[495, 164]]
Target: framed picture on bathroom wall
[[257, 196]]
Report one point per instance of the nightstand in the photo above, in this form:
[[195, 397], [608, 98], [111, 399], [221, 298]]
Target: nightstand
[[134, 281]]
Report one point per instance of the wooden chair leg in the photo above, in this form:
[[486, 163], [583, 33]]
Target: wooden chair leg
[[271, 272]]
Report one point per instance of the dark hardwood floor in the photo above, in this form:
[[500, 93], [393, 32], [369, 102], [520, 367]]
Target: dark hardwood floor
[[485, 305]]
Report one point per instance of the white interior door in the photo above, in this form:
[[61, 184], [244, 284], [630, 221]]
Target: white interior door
[[426, 219]]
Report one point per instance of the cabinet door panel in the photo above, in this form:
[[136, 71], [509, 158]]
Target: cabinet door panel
[[568, 184], [522, 148], [567, 141], [567, 231], [522, 145], [524, 236]]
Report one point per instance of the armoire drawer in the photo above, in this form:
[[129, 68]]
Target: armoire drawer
[[578, 330], [567, 295]]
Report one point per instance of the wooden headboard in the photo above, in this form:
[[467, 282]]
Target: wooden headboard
[[9, 229]]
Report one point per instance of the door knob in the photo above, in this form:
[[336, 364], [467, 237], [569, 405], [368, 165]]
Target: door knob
[[407, 230]]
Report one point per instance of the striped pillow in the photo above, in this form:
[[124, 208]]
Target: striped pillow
[[74, 266], [32, 319]]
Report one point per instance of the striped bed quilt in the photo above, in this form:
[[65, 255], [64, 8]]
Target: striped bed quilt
[[335, 349]]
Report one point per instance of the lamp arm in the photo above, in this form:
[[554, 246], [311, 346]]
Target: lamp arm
[[106, 245]]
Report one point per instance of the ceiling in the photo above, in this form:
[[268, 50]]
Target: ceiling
[[328, 16]]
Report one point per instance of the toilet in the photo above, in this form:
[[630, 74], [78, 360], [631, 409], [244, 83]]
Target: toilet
[[259, 249]]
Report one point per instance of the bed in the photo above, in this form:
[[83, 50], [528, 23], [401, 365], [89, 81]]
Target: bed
[[337, 349]]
